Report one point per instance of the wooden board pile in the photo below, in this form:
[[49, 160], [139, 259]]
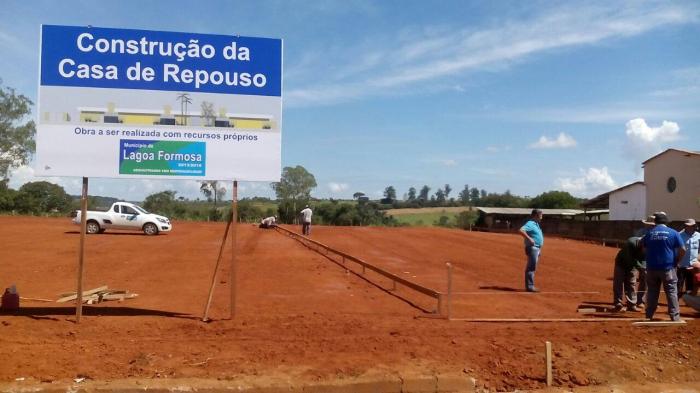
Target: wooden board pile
[[98, 295]]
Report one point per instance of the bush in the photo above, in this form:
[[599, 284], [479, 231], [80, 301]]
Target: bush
[[443, 221], [466, 219], [42, 198]]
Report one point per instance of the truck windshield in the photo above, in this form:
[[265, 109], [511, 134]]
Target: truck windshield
[[142, 210]]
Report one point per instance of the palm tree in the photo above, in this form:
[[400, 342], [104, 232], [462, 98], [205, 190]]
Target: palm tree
[[184, 99], [211, 187]]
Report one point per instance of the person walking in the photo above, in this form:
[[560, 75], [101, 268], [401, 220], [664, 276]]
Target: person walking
[[534, 239], [306, 221], [642, 269], [691, 241], [627, 261], [664, 250]]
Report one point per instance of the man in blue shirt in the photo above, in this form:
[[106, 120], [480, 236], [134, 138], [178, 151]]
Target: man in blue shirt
[[691, 241], [532, 234], [664, 249]]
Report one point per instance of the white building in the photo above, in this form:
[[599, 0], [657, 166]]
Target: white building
[[628, 203], [672, 180]]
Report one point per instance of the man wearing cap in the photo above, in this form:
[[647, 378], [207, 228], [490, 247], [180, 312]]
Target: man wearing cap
[[642, 267], [306, 221], [664, 250], [532, 234], [691, 241]]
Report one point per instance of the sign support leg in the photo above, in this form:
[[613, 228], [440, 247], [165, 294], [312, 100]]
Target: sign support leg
[[205, 317], [234, 225], [81, 252]]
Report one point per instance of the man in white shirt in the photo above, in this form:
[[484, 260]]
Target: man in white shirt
[[268, 222], [306, 221], [691, 240]]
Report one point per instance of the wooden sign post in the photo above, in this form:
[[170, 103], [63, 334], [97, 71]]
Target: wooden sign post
[[234, 225], [81, 252], [205, 317]]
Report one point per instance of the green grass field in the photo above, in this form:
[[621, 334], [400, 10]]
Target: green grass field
[[427, 218]]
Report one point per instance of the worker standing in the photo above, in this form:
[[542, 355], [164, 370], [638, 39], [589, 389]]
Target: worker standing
[[306, 221], [642, 269], [664, 250], [691, 240], [532, 234]]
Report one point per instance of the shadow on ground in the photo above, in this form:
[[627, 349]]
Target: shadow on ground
[[499, 288], [49, 312]]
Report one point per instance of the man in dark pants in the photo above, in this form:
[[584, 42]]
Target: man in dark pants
[[306, 221], [642, 269], [691, 241], [627, 263], [664, 249], [532, 234]]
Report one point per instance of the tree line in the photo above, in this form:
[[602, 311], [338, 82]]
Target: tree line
[[474, 197]]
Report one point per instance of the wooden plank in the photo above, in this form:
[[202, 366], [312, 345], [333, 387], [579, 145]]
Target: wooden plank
[[548, 361], [85, 293], [118, 296], [659, 323], [523, 292], [526, 320], [34, 299], [416, 287], [586, 310]]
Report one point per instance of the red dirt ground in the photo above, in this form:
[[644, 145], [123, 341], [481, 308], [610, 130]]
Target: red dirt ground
[[302, 316]]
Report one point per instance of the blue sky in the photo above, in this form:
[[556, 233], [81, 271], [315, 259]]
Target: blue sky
[[507, 95]]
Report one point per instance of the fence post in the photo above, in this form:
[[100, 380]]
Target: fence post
[[449, 290]]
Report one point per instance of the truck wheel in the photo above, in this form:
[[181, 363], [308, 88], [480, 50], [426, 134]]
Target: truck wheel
[[150, 229], [92, 227]]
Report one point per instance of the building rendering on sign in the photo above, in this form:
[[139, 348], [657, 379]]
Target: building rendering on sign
[[165, 116], [672, 180]]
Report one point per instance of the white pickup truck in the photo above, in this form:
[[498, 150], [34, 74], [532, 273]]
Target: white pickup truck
[[125, 216]]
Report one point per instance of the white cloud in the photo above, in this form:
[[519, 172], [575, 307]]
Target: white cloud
[[429, 55], [338, 187], [563, 141], [593, 181], [448, 162], [498, 149], [684, 82], [645, 141], [638, 131]]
